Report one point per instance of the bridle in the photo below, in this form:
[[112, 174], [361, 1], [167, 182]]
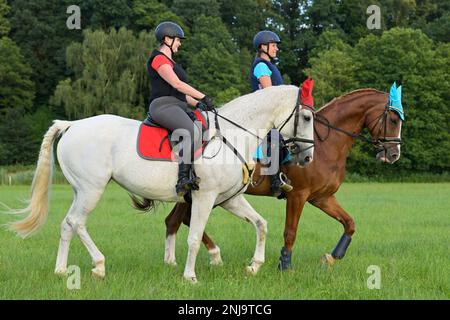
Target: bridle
[[379, 142], [291, 143]]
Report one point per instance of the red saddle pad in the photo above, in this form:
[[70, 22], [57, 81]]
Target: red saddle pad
[[153, 142]]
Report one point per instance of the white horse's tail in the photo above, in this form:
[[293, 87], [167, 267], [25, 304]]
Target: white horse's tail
[[38, 205]]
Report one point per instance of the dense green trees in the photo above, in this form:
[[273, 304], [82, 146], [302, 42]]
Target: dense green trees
[[109, 75], [409, 57], [48, 71], [4, 23]]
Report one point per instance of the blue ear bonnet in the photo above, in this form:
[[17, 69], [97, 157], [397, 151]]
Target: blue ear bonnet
[[395, 101]]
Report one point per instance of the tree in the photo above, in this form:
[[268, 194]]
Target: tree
[[333, 67], [16, 141], [109, 75], [245, 18], [410, 58], [190, 9], [16, 88], [213, 60], [147, 14], [39, 29], [334, 72], [100, 14], [288, 24], [4, 23]]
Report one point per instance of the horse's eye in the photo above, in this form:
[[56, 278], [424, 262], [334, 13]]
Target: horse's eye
[[394, 121], [307, 118]]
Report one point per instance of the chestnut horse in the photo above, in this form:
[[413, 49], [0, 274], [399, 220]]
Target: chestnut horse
[[337, 125]]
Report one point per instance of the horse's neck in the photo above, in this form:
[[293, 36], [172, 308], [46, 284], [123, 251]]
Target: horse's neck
[[348, 114], [256, 113], [258, 110]]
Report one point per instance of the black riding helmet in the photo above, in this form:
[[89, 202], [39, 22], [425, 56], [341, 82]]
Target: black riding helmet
[[265, 37], [168, 29]]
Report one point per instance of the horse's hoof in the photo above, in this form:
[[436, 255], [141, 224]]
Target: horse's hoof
[[251, 270], [98, 273], [191, 280], [61, 272], [216, 262], [171, 263], [284, 266], [214, 257], [328, 259]]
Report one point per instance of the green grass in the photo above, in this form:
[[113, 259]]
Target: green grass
[[402, 228]]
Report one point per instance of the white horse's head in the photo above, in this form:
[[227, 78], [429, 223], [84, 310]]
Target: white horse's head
[[296, 123]]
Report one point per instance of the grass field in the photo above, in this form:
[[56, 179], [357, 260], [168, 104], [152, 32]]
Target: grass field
[[402, 228]]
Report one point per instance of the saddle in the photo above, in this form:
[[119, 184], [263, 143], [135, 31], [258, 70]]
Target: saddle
[[154, 143]]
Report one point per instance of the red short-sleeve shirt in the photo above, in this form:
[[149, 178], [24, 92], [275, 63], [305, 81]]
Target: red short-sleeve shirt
[[159, 60]]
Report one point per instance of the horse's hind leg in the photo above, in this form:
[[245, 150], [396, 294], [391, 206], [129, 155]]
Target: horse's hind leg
[[331, 207], [240, 207], [64, 243], [75, 221], [173, 222]]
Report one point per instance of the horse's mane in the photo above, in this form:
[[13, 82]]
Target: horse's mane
[[249, 98], [350, 95]]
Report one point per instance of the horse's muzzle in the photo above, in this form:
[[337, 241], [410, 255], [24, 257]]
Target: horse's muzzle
[[389, 155]]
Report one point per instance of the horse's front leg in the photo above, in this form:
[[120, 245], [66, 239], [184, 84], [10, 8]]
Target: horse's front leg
[[202, 204], [215, 258], [294, 207], [182, 213], [331, 207], [240, 207]]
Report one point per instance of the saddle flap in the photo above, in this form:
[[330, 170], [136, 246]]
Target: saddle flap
[[154, 143]]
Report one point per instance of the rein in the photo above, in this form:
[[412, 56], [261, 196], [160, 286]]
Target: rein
[[378, 143]]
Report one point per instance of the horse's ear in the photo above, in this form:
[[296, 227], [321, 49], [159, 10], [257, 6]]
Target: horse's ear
[[395, 100], [306, 97]]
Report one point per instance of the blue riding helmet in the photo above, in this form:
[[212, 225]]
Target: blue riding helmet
[[264, 37]]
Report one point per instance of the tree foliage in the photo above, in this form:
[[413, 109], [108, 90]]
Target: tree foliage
[[4, 23], [101, 69], [109, 75], [409, 57], [16, 88]]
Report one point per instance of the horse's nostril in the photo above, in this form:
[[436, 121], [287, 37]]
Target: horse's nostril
[[395, 155], [307, 158]]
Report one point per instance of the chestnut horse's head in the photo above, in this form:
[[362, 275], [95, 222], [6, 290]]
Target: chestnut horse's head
[[385, 128]]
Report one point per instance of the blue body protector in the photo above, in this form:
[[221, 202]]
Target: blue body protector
[[276, 77]]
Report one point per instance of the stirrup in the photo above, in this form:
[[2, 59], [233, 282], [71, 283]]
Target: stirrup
[[190, 184], [285, 183]]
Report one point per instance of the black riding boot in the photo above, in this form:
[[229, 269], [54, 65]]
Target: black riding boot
[[186, 179]]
